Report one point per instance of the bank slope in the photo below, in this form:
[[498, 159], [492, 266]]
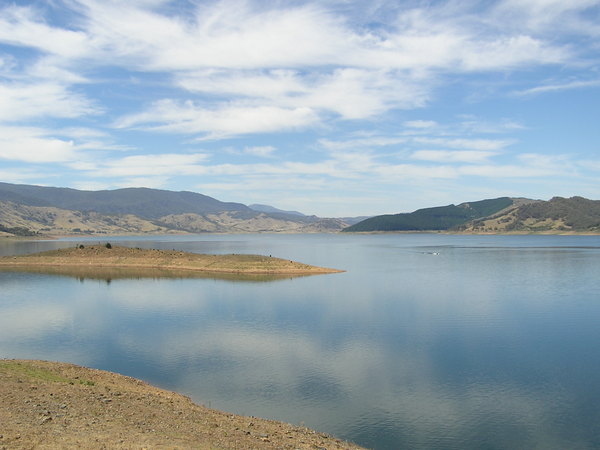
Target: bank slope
[[58, 405]]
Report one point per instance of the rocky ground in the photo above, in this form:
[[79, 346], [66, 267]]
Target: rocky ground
[[59, 405]]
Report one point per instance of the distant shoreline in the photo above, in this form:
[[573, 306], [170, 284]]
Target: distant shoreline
[[482, 233], [125, 257]]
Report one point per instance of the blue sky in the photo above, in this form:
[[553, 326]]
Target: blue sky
[[333, 108]]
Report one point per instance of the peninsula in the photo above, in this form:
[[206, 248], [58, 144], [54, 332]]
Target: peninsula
[[103, 256]]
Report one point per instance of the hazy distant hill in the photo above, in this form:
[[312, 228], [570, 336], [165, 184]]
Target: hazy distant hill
[[27, 210], [576, 214], [430, 219], [271, 209], [142, 202]]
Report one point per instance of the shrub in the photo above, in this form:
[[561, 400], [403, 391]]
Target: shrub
[[108, 245]]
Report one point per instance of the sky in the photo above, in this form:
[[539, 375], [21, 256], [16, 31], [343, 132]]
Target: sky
[[335, 108]]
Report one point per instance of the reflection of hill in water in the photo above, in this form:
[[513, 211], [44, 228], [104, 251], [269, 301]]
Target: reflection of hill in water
[[120, 273]]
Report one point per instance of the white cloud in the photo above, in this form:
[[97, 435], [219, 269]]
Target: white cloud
[[22, 101], [368, 142], [242, 50], [511, 52], [551, 16], [25, 27], [18, 175], [420, 124], [261, 151], [217, 34], [578, 84], [446, 156], [471, 124], [34, 146], [225, 120], [51, 69], [144, 166], [500, 171], [82, 132], [554, 164], [352, 93], [465, 143]]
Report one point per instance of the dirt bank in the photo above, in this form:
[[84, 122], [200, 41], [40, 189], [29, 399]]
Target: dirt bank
[[59, 405]]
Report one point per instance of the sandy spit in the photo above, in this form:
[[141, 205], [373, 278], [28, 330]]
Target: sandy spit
[[101, 256]]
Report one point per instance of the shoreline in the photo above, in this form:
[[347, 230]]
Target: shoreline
[[136, 258], [482, 233], [56, 404]]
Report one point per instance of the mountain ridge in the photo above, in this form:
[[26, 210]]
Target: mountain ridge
[[437, 218], [557, 215], [143, 202], [501, 216], [27, 210]]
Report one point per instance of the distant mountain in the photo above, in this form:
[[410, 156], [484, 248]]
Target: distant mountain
[[557, 215], [353, 220], [29, 210], [433, 219], [271, 209], [142, 202]]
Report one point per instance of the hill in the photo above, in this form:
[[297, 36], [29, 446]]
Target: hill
[[433, 219], [272, 209], [558, 215], [36, 210], [142, 202]]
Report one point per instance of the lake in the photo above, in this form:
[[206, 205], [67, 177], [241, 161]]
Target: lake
[[427, 341]]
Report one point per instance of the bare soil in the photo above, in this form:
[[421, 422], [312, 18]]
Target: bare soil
[[101, 256], [58, 405]]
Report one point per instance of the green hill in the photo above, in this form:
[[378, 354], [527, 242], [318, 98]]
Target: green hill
[[576, 212], [558, 215], [433, 219]]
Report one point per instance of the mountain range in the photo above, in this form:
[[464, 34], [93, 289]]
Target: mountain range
[[500, 215], [38, 210], [31, 210]]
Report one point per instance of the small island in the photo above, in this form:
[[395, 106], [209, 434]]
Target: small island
[[103, 256]]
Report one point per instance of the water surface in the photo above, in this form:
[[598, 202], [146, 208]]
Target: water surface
[[426, 341]]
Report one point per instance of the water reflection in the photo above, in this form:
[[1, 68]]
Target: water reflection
[[476, 347], [120, 273]]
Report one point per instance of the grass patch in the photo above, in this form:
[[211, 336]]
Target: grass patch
[[38, 373]]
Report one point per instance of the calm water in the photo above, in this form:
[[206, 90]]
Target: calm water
[[427, 341]]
